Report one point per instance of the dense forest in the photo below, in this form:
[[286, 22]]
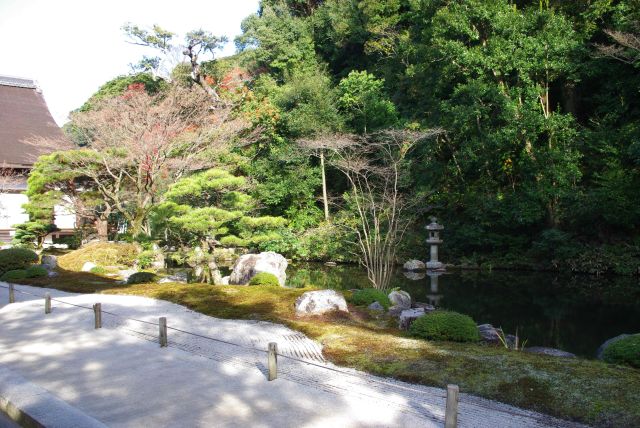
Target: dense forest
[[532, 110]]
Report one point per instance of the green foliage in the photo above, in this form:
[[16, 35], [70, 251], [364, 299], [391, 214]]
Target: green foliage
[[16, 259], [36, 272], [14, 275], [98, 270], [367, 296], [624, 351], [265, 278], [445, 325], [277, 40], [142, 278], [210, 206], [146, 258], [364, 103], [73, 242], [32, 233]]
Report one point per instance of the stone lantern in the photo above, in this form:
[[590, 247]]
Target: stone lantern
[[434, 240]]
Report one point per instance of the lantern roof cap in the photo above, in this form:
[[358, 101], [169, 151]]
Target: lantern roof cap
[[434, 225]]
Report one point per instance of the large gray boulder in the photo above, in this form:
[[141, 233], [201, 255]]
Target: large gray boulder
[[247, 266], [49, 261], [320, 302], [607, 343], [414, 266], [400, 298]]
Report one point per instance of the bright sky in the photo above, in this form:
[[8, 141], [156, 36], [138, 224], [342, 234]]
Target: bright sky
[[71, 47]]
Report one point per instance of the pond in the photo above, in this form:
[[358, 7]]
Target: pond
[[572, 313]]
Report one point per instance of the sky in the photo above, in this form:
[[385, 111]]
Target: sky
[[72, 47]]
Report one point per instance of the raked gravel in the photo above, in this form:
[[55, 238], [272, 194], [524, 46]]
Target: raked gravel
[[120, 376]]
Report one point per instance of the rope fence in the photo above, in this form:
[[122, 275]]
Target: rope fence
[[451, 397]]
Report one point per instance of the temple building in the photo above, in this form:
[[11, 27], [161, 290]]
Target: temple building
[[24, 117]]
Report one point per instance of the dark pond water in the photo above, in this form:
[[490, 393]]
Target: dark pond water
[[572, 313]]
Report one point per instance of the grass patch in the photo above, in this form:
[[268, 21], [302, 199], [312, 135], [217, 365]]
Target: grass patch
[[588, 391], [100, 253]]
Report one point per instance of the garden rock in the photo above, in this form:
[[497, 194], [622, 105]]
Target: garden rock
[[408, 316], [182, 277], [87, 266], [395, 311], [320, 302], [414, 266], [376, 306], [247, 266], [553, 352], [50, 262], [225, 280], [490, 334], [401, 299], [605, 345]]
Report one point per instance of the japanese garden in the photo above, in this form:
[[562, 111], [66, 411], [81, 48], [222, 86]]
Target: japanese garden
[[427, 192]]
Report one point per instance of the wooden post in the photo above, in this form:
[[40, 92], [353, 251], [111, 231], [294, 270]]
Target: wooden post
[[47, 303], [12, 294], [97, 311], [451, 413], [163, 332], [273, 361]]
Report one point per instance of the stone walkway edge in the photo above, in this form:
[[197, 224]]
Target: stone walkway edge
[[34, 407]]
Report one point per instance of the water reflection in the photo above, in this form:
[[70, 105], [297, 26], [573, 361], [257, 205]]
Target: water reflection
[[573, 313]]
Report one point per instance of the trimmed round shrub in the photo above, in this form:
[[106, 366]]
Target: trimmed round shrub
[[37, 271], [445, 325], [265, 278], [367, 296], [624, 351], [13, 275], [142, 277], [16, 259]]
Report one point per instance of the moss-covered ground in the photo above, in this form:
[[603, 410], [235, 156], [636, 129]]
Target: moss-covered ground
[[576, 389]]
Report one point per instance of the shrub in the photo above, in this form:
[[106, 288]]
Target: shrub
[[142, 277], [146, 259], [265, 278], [16, 259], [445, 325], [367, 296], [36, 271], [100, 253], [624, 351], [13, 275]]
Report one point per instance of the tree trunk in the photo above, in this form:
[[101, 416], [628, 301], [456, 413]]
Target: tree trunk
[[102, 226], [325, 200]]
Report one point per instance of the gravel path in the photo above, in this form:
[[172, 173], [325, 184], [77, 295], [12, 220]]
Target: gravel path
[[120, 376]]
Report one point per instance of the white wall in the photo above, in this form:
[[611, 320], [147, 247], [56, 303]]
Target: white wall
[[11, 212]]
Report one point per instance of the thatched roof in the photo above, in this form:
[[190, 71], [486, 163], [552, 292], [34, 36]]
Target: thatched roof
[[24, 116]]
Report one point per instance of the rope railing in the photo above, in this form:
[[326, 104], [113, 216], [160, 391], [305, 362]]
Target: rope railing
[[272, 354]]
